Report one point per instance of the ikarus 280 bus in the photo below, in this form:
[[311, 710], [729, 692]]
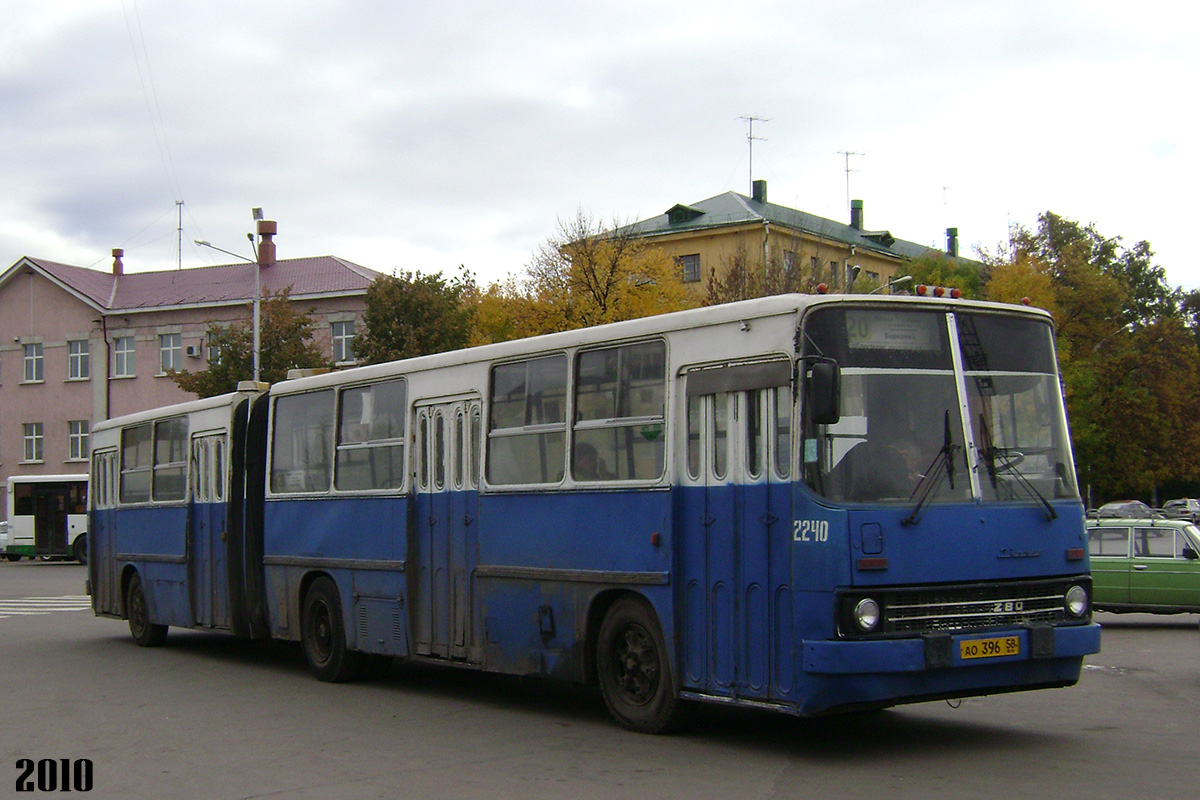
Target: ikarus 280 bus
[[803, 503]]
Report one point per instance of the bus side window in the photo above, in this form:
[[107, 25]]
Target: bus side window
[[620, 413], [371, 437], [136, 446], [301, 443], [170, 459], [527, 428]]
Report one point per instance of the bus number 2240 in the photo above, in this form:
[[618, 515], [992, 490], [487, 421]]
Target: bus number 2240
[[810, 530]]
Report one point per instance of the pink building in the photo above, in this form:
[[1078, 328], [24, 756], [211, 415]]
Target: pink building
[[81, 345]]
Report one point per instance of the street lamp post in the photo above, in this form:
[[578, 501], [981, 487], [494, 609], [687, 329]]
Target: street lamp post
[[257, 295]]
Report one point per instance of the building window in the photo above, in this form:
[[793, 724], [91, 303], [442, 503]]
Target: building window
[[214, 352], [690, 264], [79, 364], [78, 435], [32, 432], [33, 363], [123, 357], [343, 341], [170, 352]]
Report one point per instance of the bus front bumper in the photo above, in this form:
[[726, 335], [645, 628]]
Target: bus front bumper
[[950, 651]]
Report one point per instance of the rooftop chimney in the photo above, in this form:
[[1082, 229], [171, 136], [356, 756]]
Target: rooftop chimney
[[118, 265], [266, 245], [759, 191], [952, 241], [856, 214]]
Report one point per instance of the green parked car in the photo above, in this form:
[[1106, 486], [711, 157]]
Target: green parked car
[[1145, 565]]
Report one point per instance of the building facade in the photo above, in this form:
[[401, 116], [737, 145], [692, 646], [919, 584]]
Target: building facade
[[81, 345], [708, 237]]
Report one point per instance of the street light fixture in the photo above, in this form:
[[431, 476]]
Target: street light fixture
[[892, 282], [257, 295]]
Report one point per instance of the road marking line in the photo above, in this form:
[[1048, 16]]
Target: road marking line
[[31, 606]]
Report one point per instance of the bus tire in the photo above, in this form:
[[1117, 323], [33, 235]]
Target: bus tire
[[323, 634], [12, 557], [145, 632], [634, 670], [79, 549]]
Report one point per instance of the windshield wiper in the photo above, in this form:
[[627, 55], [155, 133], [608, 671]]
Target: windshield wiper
[[1004, 459], [941, 468]]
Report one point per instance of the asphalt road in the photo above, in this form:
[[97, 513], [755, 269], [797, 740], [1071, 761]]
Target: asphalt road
[[207, 716]]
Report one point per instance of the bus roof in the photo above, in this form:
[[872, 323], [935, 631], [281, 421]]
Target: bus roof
[[187, 407], [691, 319], [45, 478]]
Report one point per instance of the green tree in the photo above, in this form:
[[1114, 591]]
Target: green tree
[[940, 269], [1130, 364], [286, 342], [411, 314]]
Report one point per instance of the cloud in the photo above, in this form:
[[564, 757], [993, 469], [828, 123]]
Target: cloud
[[429, 136]]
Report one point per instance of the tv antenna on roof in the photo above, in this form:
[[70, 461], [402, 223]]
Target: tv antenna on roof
[[750, 137], [847, 154]]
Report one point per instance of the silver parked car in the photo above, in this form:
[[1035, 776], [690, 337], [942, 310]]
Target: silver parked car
[[1183, 508]]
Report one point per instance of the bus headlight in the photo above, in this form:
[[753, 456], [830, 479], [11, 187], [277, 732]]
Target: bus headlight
[[866, 615], [1076, 601]]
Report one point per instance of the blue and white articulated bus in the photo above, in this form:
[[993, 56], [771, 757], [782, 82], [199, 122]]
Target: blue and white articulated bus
[[805, 503]]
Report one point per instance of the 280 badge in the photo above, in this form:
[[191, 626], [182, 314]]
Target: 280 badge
[[54, 775]]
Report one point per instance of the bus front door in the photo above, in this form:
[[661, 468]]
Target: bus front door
[[444, 550], [207, 551], [736, 569]]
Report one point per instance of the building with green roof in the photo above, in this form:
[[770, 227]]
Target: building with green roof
[[707, 237]]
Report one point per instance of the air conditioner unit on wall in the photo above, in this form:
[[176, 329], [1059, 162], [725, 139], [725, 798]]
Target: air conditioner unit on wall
[[193, 351]]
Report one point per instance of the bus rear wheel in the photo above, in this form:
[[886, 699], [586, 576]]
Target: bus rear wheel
[[145, 632], [634, 671], [79, 549], [323, 634]]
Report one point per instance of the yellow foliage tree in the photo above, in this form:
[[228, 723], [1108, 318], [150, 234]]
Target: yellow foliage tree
[[584, 275]]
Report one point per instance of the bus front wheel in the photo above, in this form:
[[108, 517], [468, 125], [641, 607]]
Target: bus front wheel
[[145, 632], [323, 634], [634, 671]]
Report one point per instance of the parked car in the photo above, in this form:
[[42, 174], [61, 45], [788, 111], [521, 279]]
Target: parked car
[[1149, 564], [1183, 508], [1125, 508], [3, 536]]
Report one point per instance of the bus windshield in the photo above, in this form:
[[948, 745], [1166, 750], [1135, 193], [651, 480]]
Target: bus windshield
[[938, 407]]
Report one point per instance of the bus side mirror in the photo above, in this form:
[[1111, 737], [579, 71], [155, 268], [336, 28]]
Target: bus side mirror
[[825, 393]]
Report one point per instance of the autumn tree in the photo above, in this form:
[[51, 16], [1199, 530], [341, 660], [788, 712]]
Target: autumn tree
[[285, 339], [411, 314], [586, 275], [741, 277], [1129, 361]]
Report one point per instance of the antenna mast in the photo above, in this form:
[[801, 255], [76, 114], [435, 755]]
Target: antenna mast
[[847, 154], [750, 138], [179, 230]]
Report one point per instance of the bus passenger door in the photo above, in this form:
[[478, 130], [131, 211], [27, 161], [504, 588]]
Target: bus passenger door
[[207, 556], [445, 548], [102, 564], [735, 549], [50, 519]]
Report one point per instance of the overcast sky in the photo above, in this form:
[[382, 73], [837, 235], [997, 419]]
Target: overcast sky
[[422, 136]]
